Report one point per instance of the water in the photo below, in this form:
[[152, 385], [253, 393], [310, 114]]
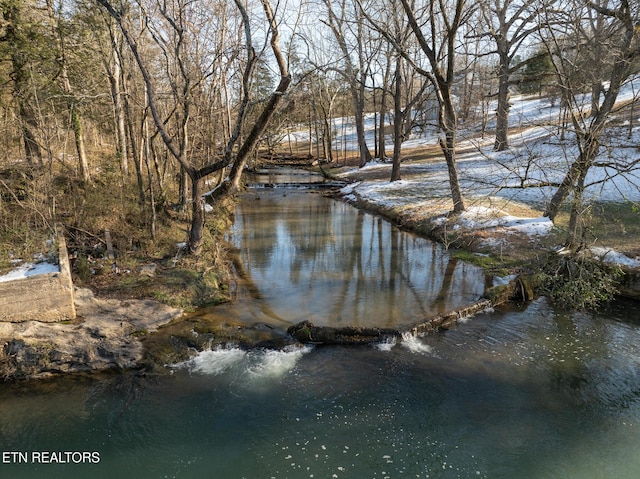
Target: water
[[519, 393], [312, 258]]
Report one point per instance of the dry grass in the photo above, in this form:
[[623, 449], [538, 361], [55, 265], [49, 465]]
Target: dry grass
[[32, 201]]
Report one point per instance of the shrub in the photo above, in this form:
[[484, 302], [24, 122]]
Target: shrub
[[579, 282]]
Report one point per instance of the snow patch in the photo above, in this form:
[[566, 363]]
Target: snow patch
[[608, 255], [29, 269], [481, 217]]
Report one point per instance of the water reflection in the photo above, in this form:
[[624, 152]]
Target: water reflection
[[322, 260], [283, 176]]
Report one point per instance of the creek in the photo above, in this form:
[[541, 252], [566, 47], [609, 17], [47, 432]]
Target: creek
[[526, 392]]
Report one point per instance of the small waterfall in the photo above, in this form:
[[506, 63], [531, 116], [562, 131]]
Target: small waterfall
[[409, 340], [275, 363], [214, 361], [413, 344], [387, 344], [260, 363]]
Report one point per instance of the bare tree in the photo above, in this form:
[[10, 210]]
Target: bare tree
[[177, 20], [444, 20], [319, 87], [17, 31], [348, 25], [509, 23], [71, 99], [623, 44], [436, 28], [113, 66]]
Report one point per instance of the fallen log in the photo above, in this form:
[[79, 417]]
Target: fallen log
[[307, 332], [449, 319]]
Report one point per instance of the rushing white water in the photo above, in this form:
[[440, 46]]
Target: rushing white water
[[415, 345], [275, 363], [214, 361], [409, 341], [256, 364], [386, 345]]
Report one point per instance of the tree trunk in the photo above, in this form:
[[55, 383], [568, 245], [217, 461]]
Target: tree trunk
[[448, 122], [197, 215], [502, 112], [358, 111], [183, 189], [76, 121], [448, 149], [382, 153], [587, 156], [147, 149], [114, 71], [327, 134], [32, 148], [576, 231], [596, 91], [134, 149], [76, 125], [398, 120], [21, 75]]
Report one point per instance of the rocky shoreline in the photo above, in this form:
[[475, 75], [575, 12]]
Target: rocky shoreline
[[105, 336]]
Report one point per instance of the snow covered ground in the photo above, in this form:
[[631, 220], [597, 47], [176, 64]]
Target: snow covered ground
[[537, 155]]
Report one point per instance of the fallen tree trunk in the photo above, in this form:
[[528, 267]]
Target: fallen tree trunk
[[307, 332], [447, 320]]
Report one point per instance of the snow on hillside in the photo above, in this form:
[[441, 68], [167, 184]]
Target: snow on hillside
[[537, 154]]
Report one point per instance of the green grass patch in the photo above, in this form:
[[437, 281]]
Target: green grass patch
[[481, 260]]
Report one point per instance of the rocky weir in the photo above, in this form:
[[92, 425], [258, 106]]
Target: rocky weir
[[116, 335]]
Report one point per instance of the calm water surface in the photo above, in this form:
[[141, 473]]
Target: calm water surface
[[312, 258], [520, 393]]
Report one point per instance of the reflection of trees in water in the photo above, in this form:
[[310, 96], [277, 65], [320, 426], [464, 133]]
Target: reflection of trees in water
[[251, 237], [355, 265]]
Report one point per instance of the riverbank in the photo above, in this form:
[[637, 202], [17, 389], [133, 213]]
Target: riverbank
[[505, 232], [106, 335]]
